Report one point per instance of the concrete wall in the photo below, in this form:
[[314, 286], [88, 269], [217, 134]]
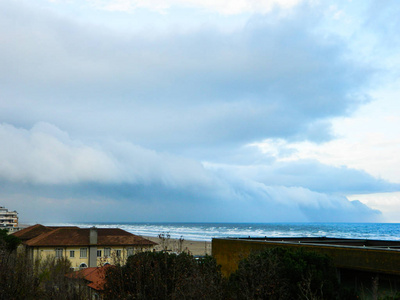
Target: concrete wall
[[228, 253]]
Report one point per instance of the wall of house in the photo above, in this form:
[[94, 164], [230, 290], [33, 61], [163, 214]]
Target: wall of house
[[77, 260], [42, 253]]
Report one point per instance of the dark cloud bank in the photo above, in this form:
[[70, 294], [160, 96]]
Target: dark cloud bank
[[52, 177]]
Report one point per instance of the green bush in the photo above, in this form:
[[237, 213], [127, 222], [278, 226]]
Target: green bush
[[159, 275], [280, 273], [7, 241]]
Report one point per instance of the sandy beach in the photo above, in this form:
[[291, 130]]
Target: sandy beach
[[174, 245]]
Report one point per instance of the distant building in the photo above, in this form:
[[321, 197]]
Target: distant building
[[84, 247], [8, 219]]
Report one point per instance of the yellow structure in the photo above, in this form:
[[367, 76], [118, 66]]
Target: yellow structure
[[360, 264], [374, 256], [84, 247]]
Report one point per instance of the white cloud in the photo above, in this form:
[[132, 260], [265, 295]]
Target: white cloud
[[373, 153], [46, 155], [228, 7], [387, 203], [369, 140], [227, 88]]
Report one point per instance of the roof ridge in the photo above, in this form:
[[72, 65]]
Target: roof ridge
[[28, 229], [31, 231], [81, 236], [42, 236]]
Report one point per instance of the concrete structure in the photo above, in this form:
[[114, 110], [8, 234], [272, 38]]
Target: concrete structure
[[84, 247], [360, 263], [8, 219]]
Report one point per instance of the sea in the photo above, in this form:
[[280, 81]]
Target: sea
[[208, 231]]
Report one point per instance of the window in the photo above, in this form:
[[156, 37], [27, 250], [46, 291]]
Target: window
[[72, 253], [83, 265], [107, 252], [98, 253], [118, 253], [84, 252], [129, 251], [59, 252]]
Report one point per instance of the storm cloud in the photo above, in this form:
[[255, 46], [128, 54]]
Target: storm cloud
[[203, 88], [57, 171], [133, 121]]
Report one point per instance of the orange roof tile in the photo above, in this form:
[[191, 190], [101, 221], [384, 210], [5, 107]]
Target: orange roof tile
[[31, 232], [95, 276], [80, 237]]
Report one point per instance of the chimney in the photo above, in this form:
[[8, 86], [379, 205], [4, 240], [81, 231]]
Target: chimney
[[93, 236]]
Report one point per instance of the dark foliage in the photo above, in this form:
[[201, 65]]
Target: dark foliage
[[280, 273], [17, 278], [272, 274], [23, 279], [151, 275], [8, 242]]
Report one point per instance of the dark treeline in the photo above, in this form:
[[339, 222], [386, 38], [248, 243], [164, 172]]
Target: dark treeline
[[272, 274]]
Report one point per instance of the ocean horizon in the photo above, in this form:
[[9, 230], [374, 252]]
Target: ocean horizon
[[207, 231]]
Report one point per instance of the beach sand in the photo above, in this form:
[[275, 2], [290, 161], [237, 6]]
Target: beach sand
[[174, 245]]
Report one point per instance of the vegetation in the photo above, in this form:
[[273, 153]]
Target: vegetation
[[22, 278], [272, 274], [159, 275], [168, 244], [8, 242], [281, 273]]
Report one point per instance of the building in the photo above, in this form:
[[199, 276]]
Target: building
[[8, 219], [84, 247], [359, 263], [94, 278]]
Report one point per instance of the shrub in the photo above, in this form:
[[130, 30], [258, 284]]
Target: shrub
[[22, 278], [159, 275], [280, 273], [8, 242]]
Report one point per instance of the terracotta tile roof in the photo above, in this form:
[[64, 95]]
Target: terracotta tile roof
[[116, 236], [80, 237], [31, 232], [34, 231], [56, 227], [95, 276]]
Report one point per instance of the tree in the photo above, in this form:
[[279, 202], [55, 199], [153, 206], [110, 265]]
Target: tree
[[281, 273], [159, 275], [22, 278], [9, 242]]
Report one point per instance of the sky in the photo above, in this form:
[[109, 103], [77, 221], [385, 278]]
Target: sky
[[200, 111]]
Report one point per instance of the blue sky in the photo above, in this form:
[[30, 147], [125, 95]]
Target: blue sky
[[230, 111]]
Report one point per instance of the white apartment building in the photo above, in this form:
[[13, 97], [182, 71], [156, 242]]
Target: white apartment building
[[8, 219]]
